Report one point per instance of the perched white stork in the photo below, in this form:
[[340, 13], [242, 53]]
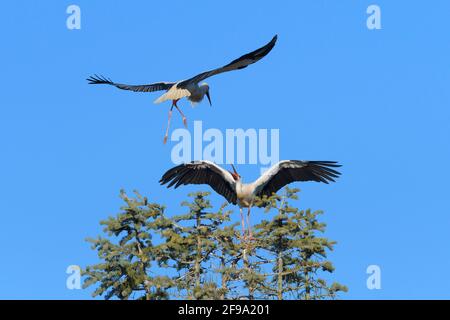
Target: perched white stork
[[230, 186], [191, 88]]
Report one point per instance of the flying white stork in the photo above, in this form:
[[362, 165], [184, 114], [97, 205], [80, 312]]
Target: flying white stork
[[230, 186], [190, 88]]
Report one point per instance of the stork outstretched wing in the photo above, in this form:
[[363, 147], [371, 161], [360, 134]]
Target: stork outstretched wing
[[202, 172], [157, 86], [287, 171], [239, 63]]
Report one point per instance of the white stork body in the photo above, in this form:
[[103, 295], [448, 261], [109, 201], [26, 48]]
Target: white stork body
[[245, 194], [193, 92], [230, 186], [189, 88]]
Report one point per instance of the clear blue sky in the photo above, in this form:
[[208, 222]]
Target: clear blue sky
[[377, 101]]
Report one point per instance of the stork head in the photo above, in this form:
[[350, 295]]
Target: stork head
[[235, 175], [205, 89]]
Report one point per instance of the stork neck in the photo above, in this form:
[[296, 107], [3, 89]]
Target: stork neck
[[203, 88]]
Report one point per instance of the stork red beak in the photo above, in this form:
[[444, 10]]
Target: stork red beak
[[209, 98]]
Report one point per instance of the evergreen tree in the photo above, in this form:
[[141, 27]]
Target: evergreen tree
[[292, 246], [189, 246], [128, 260], [199, 254]]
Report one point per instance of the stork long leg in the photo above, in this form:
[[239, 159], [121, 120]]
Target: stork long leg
[[168, 125], [242, 222], [250, 234], [182, 114]]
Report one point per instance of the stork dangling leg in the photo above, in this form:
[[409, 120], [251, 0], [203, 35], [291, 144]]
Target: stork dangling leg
[[182, 115], [174, 104], [168, 125]]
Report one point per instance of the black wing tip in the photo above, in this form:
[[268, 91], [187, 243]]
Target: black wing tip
[[259, 53], [171, 174], [333, 164], [324, 162], [96, 79], [324, 170], [263, 51], [269, 46]]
